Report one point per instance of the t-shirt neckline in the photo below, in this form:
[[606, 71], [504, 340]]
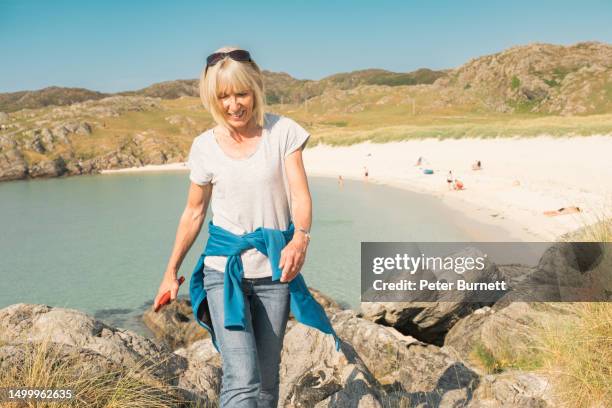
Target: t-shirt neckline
[[264, 132]]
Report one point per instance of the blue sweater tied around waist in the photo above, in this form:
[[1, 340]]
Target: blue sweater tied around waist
[[269, 242]]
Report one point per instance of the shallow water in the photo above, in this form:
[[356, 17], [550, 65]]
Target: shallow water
[[101, 243]]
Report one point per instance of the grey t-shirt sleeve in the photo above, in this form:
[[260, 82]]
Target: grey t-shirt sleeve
[[199, 174], [297, 137]]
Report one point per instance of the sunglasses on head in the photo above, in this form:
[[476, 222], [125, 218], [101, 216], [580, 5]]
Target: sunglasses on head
[[236, 55]]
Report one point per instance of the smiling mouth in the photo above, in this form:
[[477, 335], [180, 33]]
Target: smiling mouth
[[237, 115]]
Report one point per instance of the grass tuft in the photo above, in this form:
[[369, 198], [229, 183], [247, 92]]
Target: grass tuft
[[48, 365]]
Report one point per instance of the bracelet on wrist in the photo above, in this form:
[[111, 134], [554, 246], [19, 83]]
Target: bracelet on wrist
[[306, 233]]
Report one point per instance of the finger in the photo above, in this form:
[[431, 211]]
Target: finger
[[173, 292], [286, 270]]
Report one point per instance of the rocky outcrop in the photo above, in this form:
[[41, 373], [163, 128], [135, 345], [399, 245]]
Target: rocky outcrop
[[514, 389], [376, 366], [506, 330], [202, 378], [429, 321], [327, 303], [12, 164], [546, 78], [174, 324], [410, 372], [314, 374], [23, 323], [48, 168]]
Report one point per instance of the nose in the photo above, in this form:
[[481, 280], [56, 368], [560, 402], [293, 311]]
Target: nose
[[233, 102]]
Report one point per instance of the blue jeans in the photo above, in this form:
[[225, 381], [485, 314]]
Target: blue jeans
[[251, 357]]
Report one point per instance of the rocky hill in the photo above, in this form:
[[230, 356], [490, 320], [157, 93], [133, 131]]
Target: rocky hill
[[54, 95], [545, 78], [68, 131], [280, 88]]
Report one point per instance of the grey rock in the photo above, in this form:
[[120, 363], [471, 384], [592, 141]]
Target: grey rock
[[429, 321], [83, 363], [34, 141], [514, 389], [314, 374], [201, 381], [84, 129], [174, 324], [12, 164], [80, 128], [24, 323], [48, 168], [4, 117], [504, 329], [327, 303], [409, 371]]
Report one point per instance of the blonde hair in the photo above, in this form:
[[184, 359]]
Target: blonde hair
[[231, 76]]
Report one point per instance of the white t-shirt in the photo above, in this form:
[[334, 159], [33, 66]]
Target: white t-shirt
[[248, 193]]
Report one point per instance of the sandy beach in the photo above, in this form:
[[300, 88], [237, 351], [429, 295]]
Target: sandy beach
[[519, 180]]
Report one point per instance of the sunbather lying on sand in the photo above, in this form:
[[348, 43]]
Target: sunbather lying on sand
[[563, 211]]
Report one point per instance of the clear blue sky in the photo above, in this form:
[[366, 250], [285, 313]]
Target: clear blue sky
[[121, 45]]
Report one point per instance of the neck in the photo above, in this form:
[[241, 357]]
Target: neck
[[251, 129]]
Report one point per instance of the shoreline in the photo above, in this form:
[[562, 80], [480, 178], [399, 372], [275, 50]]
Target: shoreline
[[519, 180]]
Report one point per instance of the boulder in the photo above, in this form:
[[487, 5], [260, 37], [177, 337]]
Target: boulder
[[12, 164], [174, 324], [576, 269], [77, 127], [83, 362], [48, 168], [25, 323], [4, 117], [514, 389], [409, 371], [83, 128], [329, 305], [506, 332], [201, 381], [314, 374], [429, 321]]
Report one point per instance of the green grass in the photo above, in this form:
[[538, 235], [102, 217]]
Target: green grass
[[406, 115], [507, 356]]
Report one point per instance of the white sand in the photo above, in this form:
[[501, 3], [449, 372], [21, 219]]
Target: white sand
[[149, 167], [552, 172]]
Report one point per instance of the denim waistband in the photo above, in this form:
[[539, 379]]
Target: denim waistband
[[265, 279]]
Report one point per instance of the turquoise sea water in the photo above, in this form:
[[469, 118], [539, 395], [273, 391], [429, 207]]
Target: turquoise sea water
[[101, 243]]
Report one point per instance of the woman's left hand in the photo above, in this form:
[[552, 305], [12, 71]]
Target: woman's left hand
[[293, 257]]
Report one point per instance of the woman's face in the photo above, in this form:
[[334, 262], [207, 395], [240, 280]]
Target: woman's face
[[237, 107]]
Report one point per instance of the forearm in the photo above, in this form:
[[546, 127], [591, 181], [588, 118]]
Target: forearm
[[302, 212], [187, 232]]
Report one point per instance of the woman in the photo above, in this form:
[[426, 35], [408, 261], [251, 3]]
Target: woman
[[249, 167]]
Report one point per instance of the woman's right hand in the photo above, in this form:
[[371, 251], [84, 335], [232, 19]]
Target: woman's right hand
[[168, 284]]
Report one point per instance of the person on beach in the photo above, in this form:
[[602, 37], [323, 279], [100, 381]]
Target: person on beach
[[365, 173], [449, 180], [249, 167], [340, 181], [477, 165]]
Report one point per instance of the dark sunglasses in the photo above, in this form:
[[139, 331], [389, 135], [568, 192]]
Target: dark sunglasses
[[236, 55]]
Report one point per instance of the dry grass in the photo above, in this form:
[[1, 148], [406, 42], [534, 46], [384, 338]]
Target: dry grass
[[578, 352], [46, 365], [578, 356]]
